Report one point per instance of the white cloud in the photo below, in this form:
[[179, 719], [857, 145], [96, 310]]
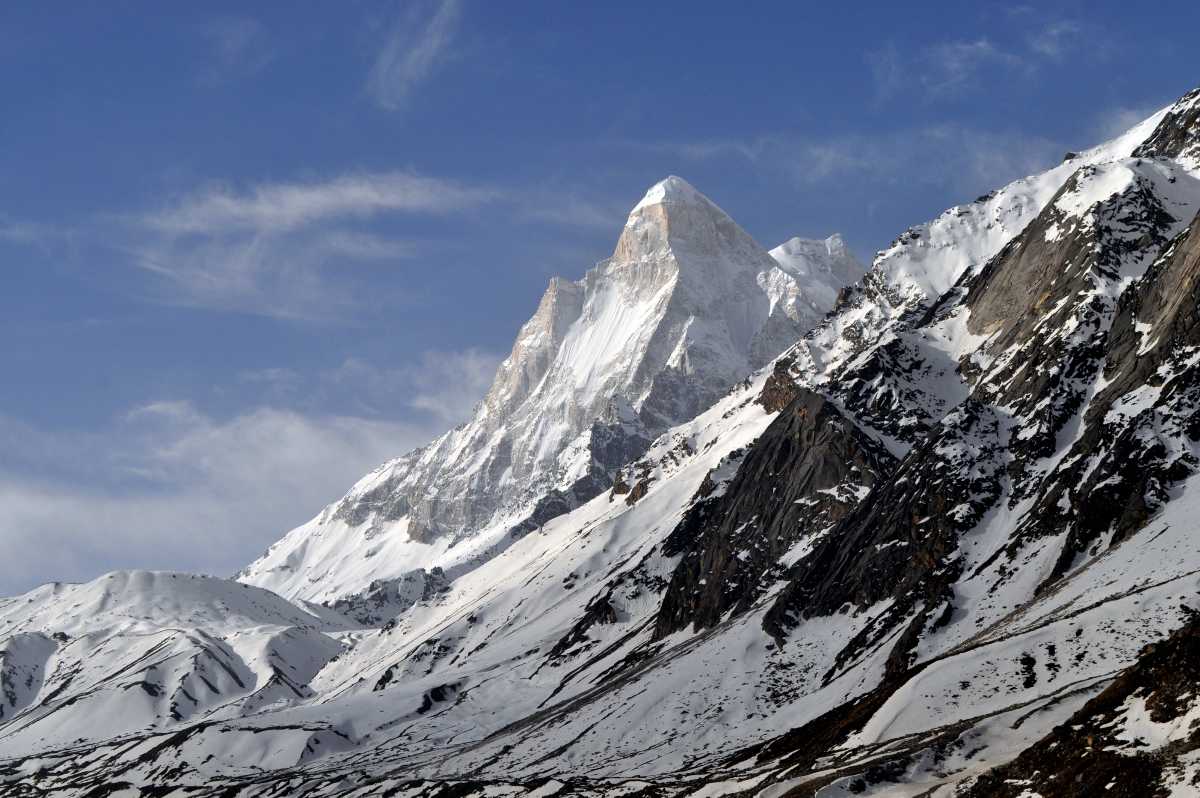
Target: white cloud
[[28, 233], [964, 159], [283, 249], [448, 385], [974, 160], [281, 277], [416, 44], [170, 487], [18, 232], [167, 485], [365, 246]]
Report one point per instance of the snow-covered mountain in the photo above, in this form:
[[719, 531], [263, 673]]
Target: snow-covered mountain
[[811, 274], [687, 305], [185, 646], [941, 545]]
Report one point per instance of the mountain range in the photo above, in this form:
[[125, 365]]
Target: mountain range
[[727, 522]]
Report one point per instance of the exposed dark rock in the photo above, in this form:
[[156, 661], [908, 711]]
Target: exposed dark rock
[[1178, 134], [780, 388], [1055, 258], [604, 609], [636, 478], [599, 611], [896, 543], [384, 599], [438, 695], [1048, 300], [809, 468], [888, 391], [1120, 469]]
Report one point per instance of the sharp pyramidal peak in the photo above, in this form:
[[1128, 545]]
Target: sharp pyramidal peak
[[688, 305]]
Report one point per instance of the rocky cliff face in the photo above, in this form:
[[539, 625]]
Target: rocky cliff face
[[804, 474], [687, 305]]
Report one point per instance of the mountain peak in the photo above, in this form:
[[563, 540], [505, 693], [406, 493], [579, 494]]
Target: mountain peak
[[674, 214], [807, 257], [672, 190], [1177, 134]]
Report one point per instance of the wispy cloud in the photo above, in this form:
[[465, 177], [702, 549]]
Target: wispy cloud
[[14, 230], [285, 277], [274, 207], [1115, 121], [950, 69], [963, 158], [284, 249], [442, 387], [448, 385], [573, 210], [806, 160], [269, 249], [888, 70], [416, 44], [18, 232], [239, 47], [939, 71]]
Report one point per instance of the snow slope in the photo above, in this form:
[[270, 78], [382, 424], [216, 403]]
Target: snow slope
[[141, 650]]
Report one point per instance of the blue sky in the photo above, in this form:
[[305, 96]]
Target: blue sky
[[251, 250]]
